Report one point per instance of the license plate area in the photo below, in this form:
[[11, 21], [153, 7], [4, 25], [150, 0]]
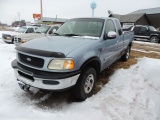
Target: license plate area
[[26, 76], [24, 87], [28, 88]]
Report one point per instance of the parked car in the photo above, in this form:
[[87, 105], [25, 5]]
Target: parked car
[[145, 33], [40, 32], [74, 57], [9, 38]]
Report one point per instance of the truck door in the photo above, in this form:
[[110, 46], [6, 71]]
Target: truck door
[[144, 32], [111, 47], [137, 30]]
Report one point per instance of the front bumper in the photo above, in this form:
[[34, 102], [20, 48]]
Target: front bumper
[[17, 43], [44, 80]]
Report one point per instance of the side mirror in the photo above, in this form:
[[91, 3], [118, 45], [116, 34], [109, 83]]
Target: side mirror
[[110, 35], [54, 30]]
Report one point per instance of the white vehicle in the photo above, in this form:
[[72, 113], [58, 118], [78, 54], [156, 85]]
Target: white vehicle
[[9, 38], [40, 32]]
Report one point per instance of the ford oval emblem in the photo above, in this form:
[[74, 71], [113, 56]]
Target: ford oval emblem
[[29, 59]]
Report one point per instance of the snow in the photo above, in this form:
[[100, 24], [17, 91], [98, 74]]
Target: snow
[[131, 94], [145, 51], [147, 43]]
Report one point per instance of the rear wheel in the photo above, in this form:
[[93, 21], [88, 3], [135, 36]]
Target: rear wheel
[[126, 56], [86, 83], [154, 39]]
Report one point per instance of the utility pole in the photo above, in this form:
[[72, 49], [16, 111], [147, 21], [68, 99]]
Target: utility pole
[[19, 18], [41, 10]]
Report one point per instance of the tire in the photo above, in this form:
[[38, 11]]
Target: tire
[[126, 56], [86, 83], [154, 39], [12, 41]]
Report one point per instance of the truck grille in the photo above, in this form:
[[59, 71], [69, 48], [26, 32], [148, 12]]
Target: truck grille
[[29, 60], [17, 39]]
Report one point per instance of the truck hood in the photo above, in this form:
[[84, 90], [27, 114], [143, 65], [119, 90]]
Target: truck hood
[[61, 44], [12, 33], [30, 36]]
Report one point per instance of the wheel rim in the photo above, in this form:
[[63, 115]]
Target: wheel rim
[[127, 54], [154, 39], [89, 83]]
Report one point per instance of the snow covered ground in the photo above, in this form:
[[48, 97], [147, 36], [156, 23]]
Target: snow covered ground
[[131, 94]]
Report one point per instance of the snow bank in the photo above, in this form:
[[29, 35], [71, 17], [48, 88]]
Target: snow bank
[[131, 94]]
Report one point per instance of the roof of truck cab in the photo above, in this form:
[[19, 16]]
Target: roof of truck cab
[[30, 26], [94, 18]]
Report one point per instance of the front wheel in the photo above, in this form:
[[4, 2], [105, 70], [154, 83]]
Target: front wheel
[[154, 39], [126, 56], [86, 83]]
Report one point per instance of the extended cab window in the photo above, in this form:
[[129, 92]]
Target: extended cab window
[[110, 26], [118, 27]]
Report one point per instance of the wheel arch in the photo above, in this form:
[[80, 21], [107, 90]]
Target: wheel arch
[[93, 62], [154, 35], [130, 44]]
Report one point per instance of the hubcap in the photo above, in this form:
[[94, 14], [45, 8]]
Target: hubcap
[[127, 55], [154, 40], [89, 83]]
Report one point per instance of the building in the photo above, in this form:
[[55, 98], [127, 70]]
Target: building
[[153, 15], [52, 20], [132, 19], [149, 16]]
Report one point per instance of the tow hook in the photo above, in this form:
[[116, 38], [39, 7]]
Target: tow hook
[[24, 87]]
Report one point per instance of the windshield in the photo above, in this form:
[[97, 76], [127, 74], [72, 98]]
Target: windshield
[[43, 29], [82, 27], [22, 30], [152, 28]]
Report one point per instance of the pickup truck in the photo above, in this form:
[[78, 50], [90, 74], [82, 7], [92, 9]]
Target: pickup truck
[[145, 33], [40, 32], [72, 58], [9, 38]]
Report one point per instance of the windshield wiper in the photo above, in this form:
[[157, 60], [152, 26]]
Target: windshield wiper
[[56, 34], [72, 34], [38, 32]]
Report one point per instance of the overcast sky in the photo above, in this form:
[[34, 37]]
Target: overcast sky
[[9, 9]]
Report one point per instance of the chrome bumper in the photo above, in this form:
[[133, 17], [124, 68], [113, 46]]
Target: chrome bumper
[[39, 82], [43, 79], [17, 43]]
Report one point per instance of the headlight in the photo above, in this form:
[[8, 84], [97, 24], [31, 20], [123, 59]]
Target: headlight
[[61, 64], [8, 38], [23, 41]]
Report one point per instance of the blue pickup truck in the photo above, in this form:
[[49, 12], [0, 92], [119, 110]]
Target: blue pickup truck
[[73, 57]]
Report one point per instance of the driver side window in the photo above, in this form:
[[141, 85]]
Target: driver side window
[[30, 30], [110, 26], [144, 29]]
